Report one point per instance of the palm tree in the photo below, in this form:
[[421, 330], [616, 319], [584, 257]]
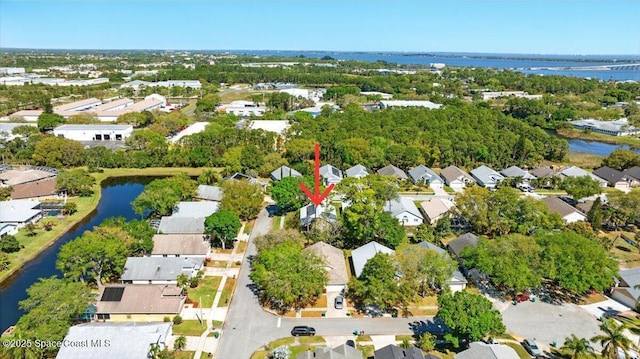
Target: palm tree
[[577, 348], [180, 343], [613, 339]]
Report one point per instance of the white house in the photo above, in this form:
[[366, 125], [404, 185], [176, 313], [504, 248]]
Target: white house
[[195, 246], [275, 126], [568, 213], [486, 177], [362, 254], [357, 171], [311, 212], [456, 178], [330, 174], [94, 132], [405, 211], [19, 213], [436, 208], [625, 290], [424, 175], [159, 270]]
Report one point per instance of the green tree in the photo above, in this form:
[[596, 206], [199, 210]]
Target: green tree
[[596, 215], [273, 239], [95, 257], [426, 342], [242, 197], [288, 276], [209, 176], [51, 307], [180, 343], [49, 121], [251, 157], [5, 261], [288, 195], [137, 119], [58, 152], [25, 130], [161, 195], [581, 187], [9, 244], [621, 159], [577, 348], [5, 193], [377, 285], [76, 182], [70, 208], [613, 339], [574, 262], [390, 230], [223, 225], [512, 261], [468, 316], [627, 205], [208, 103], [423, 269]]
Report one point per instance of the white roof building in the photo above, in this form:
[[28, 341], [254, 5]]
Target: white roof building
[[94, 132], [19, 212], [574, 171], [614, 128], [195, 209], [357, 171], [405, 103], [331, 174], [276, 126], [362, 254], [242, 108]]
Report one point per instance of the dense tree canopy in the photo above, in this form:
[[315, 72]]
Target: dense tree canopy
[[468, 316], [76, 182], [377, 285], [161, 195], [223, 225], [289, 277], [423, 269], [581, 187], [242, 197]]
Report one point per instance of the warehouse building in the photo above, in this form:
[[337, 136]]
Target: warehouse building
[[94, 132]]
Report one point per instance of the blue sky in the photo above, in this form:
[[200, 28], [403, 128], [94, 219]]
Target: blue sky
[[533, 27]]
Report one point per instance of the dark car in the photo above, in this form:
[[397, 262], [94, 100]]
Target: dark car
[[531, 347], [339, 302], [303, 330]]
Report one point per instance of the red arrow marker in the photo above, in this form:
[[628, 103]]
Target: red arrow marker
[[317, 198]]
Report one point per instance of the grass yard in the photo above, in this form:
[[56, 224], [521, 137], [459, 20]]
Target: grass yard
[[311, 340], [248, 227], [367, 350], [522, 353], [583, 160], [363, 338], [189, 328], [628, 255], [242, 246], [403, 337], [206, 290], [229, 286], [312, 313], [183, 354], [429, 300]]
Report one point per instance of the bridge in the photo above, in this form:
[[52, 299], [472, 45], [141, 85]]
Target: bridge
[[625, 67]]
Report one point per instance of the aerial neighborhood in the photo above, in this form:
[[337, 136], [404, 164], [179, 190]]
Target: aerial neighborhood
[[186, 204]]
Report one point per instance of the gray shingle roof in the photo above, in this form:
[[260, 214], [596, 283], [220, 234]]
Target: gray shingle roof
[[331, 173], [170, 225], [542, 172], [633, 172], [210, 193], [340, 352], [357, 171], [362, 254], [133, 340], [457, 245], [158, 268], [579, 172], [612, 176], [425, 174], [556, 205], [486, 176], [479, 350], [515, 171], [631, 278], [392, 170], [283, 172], [394, 352], [400, 205], [334, 262]]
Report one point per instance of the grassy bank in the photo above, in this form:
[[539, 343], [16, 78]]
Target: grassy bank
[[33, 245], [583, 160], [592, 136]]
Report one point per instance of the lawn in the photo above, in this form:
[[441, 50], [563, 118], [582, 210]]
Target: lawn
[[312, 313], [430, 300], [189, 328], [229, 285], [520, 350], [206, 291], [627, 254], [583, 160], [248, 227], [311, 340], [183, 354], [242, 246], [367, 350]]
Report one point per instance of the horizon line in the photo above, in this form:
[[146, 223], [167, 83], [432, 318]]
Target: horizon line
[[420, 52]]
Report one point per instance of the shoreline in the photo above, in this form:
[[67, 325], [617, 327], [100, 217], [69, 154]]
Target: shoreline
[[5, 277], [573, 134]]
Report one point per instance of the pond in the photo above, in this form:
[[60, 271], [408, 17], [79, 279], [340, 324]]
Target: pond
[[117, 194], [595, 147]]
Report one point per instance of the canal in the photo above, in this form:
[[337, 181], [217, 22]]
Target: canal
[[117, 194], [594, 147]]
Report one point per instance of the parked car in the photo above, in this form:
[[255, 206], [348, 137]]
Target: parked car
[[303, 330], [531, 347], [522, 298], [339, 302]]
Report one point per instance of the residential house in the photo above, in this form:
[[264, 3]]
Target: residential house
[[139, 303], [482, 350], [616, 179], [341, 352], [335, 265], [7, 229], [517, 172], [330, 174], [195, 246], [42, 189], [115, 340], [362, 254], [403, 209], [626, 290], [357, 171], [486, 177], [283, 172], [310, 213], [568, 213], [456, 178], [13, 177], [574, 171], [181, 225], [457, 282], [424, 175], [543, 172], [633, 172], [436, 208], [195, 209], [159, 270], [392, 351], [243, 177], [457, 245], [585, 206], [20, 212], [209, 193], [394, 171]]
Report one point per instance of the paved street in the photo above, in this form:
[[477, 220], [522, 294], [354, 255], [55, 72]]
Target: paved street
[[248, 327]]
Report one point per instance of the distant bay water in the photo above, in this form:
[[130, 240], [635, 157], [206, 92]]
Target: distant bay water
[[526, 63]]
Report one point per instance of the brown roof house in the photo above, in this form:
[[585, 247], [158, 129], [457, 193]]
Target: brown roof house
[[181, 245], [456, 178], [616, 179], [568, 213], [335, 265], [45, 188], [139, 303]]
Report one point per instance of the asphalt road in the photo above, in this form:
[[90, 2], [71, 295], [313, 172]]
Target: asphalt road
[[248, 327]]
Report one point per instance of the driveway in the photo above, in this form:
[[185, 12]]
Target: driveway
[[547, 323], [248, 327]]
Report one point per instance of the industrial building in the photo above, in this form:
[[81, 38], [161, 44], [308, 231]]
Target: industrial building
[[94, 132]]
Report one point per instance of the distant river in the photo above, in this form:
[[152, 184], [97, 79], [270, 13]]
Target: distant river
[[117, 195], [595, 148], [529, 64]]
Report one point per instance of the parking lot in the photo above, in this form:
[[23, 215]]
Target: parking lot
[[547, 323]]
